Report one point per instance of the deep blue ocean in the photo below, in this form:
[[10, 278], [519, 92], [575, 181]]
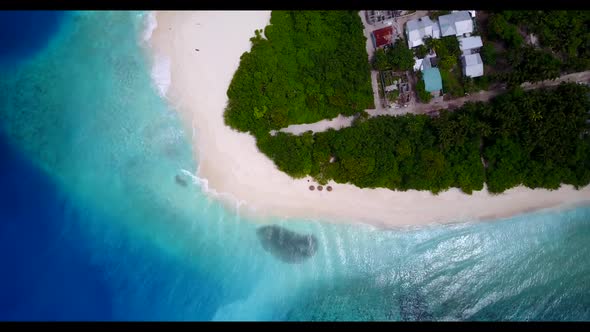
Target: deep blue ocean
[[93, 225]]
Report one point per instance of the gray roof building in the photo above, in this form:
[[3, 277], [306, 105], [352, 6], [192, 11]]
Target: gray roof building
[[466, 44], [456, 24], [472, 65], [420, 28]]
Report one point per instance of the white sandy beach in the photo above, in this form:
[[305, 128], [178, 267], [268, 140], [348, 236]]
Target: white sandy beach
[[234, 169]]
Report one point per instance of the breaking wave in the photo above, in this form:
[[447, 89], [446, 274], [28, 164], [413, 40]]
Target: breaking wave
[[151, 23], [204, 185], [160, 66]]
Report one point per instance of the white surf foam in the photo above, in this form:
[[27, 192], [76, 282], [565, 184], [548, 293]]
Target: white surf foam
[[204, 185], [161, 73], [151, 23]]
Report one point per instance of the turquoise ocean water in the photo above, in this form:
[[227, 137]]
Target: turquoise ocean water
[[94, 226]]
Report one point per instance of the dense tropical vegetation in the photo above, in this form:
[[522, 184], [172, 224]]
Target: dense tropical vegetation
[[563, 43], [447, 51], [564, 32], [537, 138], [420, 51], [397, 57], [531, 65], [306, 66], [489, 54], [423, 95], [310, 65]]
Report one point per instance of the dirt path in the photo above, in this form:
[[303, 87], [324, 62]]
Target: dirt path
[[343, 121], [338, 122], [487, 95]]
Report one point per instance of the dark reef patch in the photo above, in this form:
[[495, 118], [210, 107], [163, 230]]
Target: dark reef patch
[[286, 245], [180, 180]]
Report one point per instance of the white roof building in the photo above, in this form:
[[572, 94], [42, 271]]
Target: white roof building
[[417, 64], [472, 65], [436, 30], [456, 24], [471, 12], [466, 44], [420, 28]]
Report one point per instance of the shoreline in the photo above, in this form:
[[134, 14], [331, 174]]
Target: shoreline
[[203, 49]]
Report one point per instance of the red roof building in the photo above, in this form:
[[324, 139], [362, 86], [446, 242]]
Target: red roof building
[[384, 36]]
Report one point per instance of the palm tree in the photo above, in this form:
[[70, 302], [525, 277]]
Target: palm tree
[[485, 129], [536, 115]]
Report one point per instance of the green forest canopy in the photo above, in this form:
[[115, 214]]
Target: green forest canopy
[[563, 38], [397, 57], [312, 65], [537, 138]]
